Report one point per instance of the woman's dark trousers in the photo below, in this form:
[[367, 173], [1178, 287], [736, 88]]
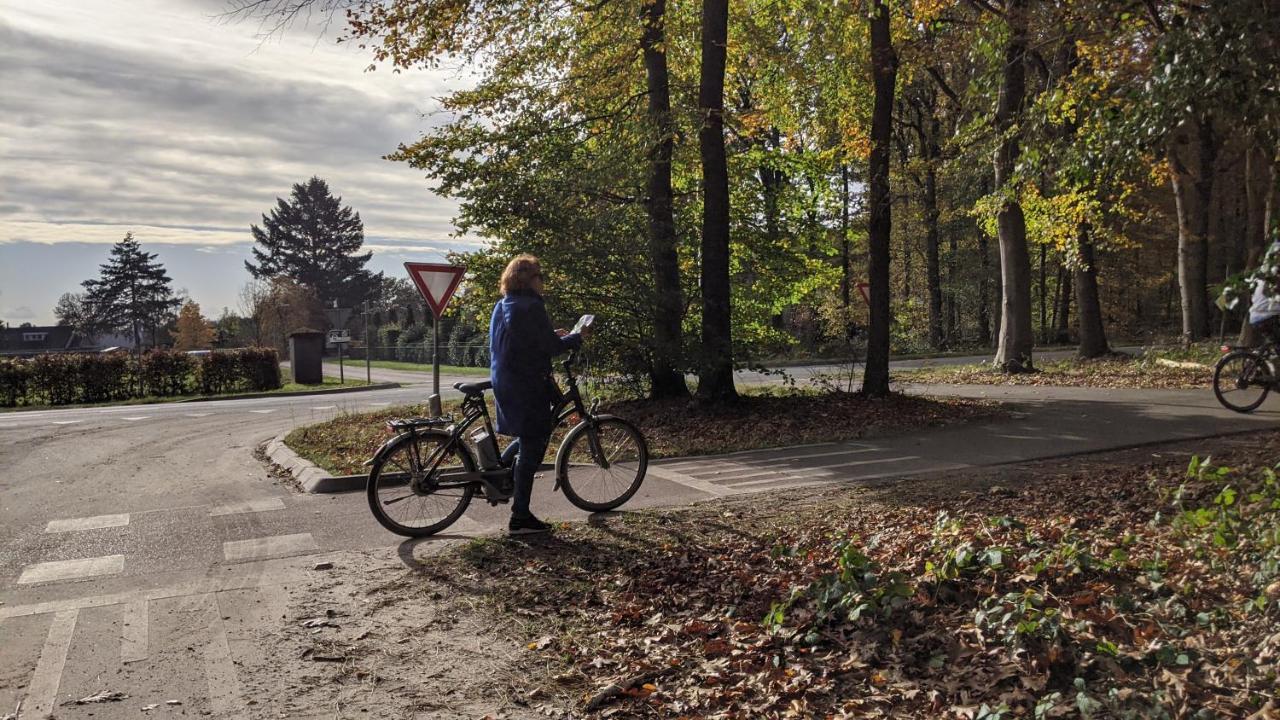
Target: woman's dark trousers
[[528, 451]]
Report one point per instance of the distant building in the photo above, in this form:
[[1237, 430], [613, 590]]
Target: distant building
[[26, 341]]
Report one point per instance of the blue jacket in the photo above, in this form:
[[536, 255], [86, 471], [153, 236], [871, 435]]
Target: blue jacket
[[521, 345]]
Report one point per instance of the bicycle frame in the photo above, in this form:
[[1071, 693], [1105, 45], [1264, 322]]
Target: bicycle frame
[[474, 409]]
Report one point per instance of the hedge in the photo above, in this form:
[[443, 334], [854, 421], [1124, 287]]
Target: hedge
[[66, 378]]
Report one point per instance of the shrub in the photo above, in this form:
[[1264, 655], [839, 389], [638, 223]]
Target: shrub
[[167, 372], [259, 368], [54, 378], [15, 380], [103, 377], [219, 372]]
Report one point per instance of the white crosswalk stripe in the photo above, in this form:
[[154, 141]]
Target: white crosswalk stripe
[[96, 522], [72, 569]]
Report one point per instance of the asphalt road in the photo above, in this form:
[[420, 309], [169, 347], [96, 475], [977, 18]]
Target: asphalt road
[[121, 527]]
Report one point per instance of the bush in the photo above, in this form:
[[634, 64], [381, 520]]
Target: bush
[[64, 378], [259, 368], [218, 372], [15, 379], [167, 372]]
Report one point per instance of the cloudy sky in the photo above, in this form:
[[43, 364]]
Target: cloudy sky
[[161, 118]]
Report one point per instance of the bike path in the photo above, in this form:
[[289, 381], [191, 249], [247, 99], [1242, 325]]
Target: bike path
[[172, 600]]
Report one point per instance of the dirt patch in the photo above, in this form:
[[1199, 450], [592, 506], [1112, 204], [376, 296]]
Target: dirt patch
[[683, 428]]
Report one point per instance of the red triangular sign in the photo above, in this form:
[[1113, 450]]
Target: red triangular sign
[[436, 282]]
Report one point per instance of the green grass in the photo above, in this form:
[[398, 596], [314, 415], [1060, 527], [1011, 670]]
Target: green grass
[[328, 384], [419, 367]]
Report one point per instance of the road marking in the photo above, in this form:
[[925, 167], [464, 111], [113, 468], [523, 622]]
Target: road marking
[[72, 569], [253, 578], [43, 690], [1017, 437], [263, 412], [225, 697], [65, 422], [133, 642], [691, 482], [877, 461], [89, 523], [325, 407], [196, 415], [274, 546], [378, 404], [136, 418], [251, 506]]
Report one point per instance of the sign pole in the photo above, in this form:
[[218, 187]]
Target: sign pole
[[435, 353], [342, 378], [368, 349]]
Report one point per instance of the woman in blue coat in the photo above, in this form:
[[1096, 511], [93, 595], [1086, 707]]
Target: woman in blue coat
[[521, 345]]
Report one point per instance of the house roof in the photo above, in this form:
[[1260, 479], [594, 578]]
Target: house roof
[[37, 339]]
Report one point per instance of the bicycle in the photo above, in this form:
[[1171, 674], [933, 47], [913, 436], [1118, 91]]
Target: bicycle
[[422, 480], [1243, 377]]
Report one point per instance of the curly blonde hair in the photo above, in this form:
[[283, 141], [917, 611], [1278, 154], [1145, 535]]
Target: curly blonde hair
[[519, 273]]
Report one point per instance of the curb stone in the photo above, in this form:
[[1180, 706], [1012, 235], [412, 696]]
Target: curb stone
[[310, 476]]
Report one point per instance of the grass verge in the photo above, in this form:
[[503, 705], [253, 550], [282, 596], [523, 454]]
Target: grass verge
[[1118, 585], [1155, 369], [418, 367], [681, 428]]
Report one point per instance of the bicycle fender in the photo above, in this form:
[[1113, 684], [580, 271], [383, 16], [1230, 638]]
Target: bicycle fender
[[384, 449]]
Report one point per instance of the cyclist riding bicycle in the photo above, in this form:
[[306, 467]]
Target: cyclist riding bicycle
[[521, 344], [1264, 307]]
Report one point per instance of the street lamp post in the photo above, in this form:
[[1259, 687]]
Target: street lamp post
[[368, 349]]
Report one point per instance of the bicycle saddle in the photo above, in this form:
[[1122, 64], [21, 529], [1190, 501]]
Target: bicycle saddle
[[473, 388]]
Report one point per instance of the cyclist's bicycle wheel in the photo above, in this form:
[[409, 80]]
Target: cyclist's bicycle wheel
[[405, 498], [601, 475], [1242, 380]]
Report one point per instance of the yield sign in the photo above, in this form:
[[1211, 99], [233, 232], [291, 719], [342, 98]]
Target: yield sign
[[436, 282]]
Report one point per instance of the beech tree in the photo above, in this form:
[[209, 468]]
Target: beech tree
[[192, 331]]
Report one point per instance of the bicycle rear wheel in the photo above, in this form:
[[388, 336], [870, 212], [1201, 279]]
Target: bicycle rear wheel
[[1242, 380], [405, 498], [605, 476]]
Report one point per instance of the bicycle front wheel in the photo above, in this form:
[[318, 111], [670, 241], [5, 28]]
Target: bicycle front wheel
[[1242, 380], [407, 499], [602, 462]]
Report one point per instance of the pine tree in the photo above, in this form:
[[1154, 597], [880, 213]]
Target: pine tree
[[132, 293], [313, 239]]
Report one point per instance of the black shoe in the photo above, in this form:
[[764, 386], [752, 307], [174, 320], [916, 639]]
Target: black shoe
[[526, 525]]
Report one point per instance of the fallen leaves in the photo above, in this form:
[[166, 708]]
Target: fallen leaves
[[1084, 590]]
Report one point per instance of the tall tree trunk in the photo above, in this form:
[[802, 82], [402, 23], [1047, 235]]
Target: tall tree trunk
[[1044, 293], [1258, 176], [715, 371], [933, 269], [1192, 192], [1017, 337], [666, 375], [1093, 336], [1062, 312], [953, 310], [845, 281], [984, 291], [884, 69]]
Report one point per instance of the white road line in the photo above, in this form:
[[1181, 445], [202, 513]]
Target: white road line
[[195, 415], [136, 418], [1018, 437], [251, 506], [225, 696], [65, 422], [378, 404], [89, 523], [42, 693], [133, 641], [263, 412], [325, 407], [877, 461], [275, 546], [72, 569], [680, 478]]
